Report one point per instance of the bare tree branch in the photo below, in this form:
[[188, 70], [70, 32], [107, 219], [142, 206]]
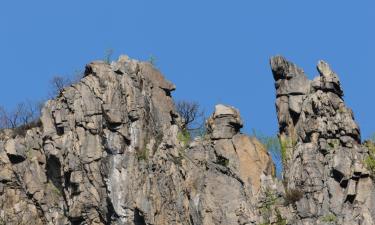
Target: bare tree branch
[[4, 120], [191, 113], [23, 114], [58, 83]]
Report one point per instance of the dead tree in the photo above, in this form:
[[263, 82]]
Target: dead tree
[[23, 114], [191, 113]]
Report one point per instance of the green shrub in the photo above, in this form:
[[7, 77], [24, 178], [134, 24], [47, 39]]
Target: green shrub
[[370, 163], [329, 218], [184, 137], [283, 147], [266, 207], [333, 144], [286, 143], [370, 159], [275, 145], [269, 208]]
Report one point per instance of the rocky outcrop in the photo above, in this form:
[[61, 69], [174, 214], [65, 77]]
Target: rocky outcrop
[[322, 152], [111, 151]]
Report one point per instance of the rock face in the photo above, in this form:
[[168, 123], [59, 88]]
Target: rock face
[[323, 156], [112, 150]]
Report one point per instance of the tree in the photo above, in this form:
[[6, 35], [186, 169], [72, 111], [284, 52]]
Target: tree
[[4, 119], [15, 118], [58, 83], [191, 113], [23, 114]]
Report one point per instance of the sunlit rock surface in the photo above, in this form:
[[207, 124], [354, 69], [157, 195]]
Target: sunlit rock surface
[[112, 150]]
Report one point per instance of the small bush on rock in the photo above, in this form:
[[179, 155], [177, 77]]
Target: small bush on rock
[[330, 218], [370, 159], [292, 196], [184, 137]]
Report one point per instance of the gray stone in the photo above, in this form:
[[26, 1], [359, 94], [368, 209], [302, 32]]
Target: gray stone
[[224, 123], [325, 158], [112, 150]]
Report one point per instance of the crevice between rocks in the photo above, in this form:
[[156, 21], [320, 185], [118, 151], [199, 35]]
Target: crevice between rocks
[[139, 218]]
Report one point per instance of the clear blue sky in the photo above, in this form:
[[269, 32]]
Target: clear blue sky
[[214, 51]]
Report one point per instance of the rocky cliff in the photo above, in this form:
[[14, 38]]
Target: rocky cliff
[[323, 155], [112, 150]]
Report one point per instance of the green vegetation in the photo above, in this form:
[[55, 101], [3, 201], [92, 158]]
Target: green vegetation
[[276, 146], [286, 143], [184, 137], [370, 163], [271, 143], [269, 207], [330, 218], [333, 143], [280, 219], [143, 154], [342, 109], [266, 208], [283, 147], [370, 159]]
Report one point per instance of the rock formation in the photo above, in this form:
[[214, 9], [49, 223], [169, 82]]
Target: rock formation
[[112, 150], [322, 152]]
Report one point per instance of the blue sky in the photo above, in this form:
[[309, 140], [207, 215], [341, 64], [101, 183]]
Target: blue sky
[[214, 51]]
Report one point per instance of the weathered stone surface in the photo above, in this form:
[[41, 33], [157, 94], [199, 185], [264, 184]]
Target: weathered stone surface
[[225, 122], [112, 150], [323, 152]]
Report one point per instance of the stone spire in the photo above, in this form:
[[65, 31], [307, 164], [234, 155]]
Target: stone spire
[[323, 156]]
